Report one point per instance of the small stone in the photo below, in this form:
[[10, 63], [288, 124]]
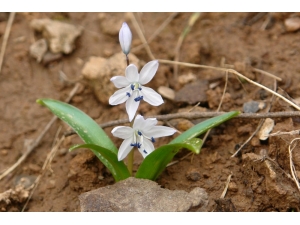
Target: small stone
[[253, 106], [193, 175], [38, 49], [266, 128], [166, 92], [60, 36], [193, 93], [292, 24]]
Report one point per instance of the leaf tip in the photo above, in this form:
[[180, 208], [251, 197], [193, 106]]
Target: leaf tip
[[40, 101]]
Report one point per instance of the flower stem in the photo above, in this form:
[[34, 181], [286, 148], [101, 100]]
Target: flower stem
[[127, 60], [130, 156], [130, 161]]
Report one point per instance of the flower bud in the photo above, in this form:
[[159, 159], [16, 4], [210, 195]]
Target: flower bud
[[125, 37]]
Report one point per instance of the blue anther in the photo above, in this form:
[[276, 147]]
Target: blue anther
[[133, 144], [140, 88], [139, 133], [145, 151], [138, 98], [128, 94], [132, 87], [138, 145], [152, 139]]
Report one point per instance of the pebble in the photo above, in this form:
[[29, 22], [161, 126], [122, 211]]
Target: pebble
[[193, 175], [292, 24], [253, 106], [166, 92], [193, 93]]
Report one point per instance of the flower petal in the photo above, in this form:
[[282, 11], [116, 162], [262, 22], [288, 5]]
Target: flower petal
[[122, 132], [119, 96], [138, 122], [125, 148], [146, 148], [131, 73], [132, 105], [125, 37], [151, 96], [159, 131], [148, 124], [148, 72], [120, 81]]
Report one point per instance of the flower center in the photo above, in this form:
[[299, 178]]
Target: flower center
[[136, 86]]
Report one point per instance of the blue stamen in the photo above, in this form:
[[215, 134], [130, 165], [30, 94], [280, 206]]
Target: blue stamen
[[140, 88], [138, 98], [128, 94], [152, 139], [132, 87], [145, 151], [138, 145], [133, 144], [139, 133]]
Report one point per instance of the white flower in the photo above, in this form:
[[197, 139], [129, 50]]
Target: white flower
[[141, 135], [125, 37], [133, 90]]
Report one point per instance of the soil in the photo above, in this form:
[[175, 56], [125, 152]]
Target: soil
[[260, 177]]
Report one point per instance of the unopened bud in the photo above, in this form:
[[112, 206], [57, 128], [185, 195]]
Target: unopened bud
[[125, 37]]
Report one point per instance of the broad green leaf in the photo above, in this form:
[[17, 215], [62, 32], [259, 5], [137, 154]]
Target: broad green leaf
[[155, 163], [89, 131], [204, 126], [109, 159]]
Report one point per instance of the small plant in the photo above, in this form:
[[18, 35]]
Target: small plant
[[141, 133]]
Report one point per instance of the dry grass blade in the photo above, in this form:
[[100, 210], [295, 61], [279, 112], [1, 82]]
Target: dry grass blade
[[6, 36], [159, 29], [194, 17], [141, 35], [292, 167], [226, 186]]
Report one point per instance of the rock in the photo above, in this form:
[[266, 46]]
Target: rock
[[266, 128], [166, 92], [141, 195], [292, 24], [60, 36], [98, 71], [253, 106], [38, 49], [193, 175], [193, 92]]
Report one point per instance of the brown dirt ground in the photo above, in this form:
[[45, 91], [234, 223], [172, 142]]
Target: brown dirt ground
[[255, 185]]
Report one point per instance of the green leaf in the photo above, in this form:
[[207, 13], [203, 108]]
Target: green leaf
[[109, 159], [204, 126], [89, 131], [155, 163]]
